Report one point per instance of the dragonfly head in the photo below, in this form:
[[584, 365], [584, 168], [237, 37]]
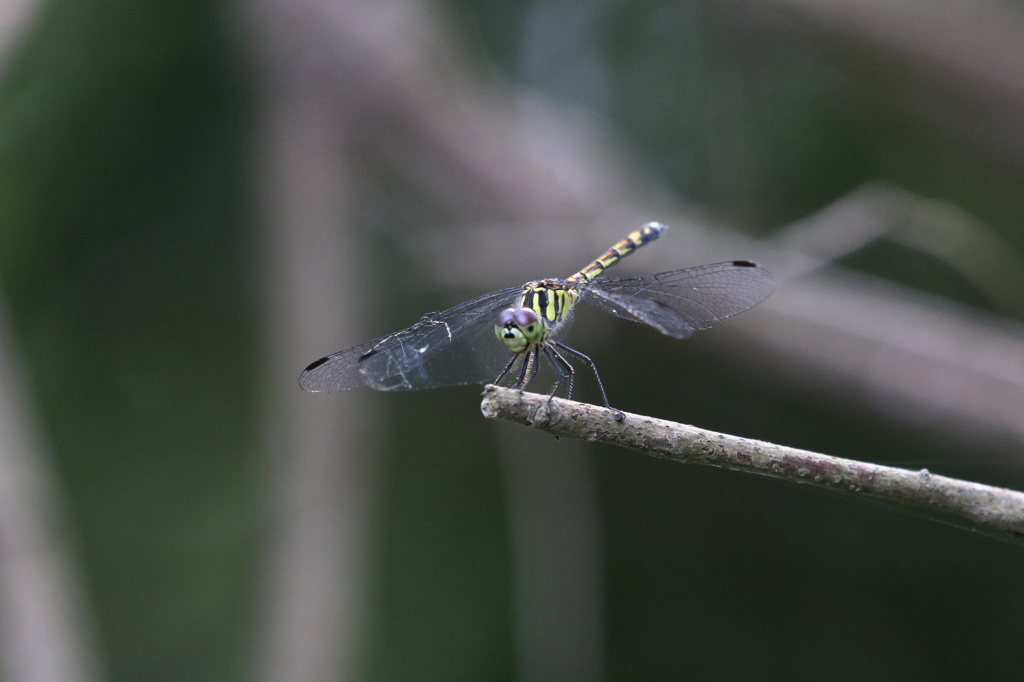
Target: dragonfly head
[[519, 328]]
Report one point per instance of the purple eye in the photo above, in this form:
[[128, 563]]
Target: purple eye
[[524, 317], [505, 317]]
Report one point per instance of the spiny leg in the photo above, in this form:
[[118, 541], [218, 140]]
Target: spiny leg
[[524, 371], [593, 368], [528, 371], [508, 367], [563, 370]]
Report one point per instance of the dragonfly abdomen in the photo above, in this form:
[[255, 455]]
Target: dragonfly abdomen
[[632, 241]]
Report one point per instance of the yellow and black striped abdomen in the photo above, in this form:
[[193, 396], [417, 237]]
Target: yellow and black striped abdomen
[[552, 300], [632, 242]]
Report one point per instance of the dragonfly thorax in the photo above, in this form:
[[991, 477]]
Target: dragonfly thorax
[[543, 307]]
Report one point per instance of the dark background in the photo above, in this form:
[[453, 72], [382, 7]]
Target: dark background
[[138, 237]]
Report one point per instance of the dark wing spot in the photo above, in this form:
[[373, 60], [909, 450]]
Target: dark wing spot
[[317, 363], [745, 264]]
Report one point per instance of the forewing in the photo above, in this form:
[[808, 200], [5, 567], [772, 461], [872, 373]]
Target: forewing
[[456, 346], [679, 302]]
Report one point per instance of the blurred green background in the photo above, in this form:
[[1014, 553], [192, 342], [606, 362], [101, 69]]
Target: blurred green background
[[134, 259]]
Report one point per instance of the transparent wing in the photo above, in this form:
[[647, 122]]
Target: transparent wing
[[453, 347], [679, 302]]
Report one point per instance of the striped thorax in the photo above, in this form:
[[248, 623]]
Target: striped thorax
[[543, 307]]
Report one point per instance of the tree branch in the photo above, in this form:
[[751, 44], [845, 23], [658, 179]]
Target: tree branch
[[985, 507]]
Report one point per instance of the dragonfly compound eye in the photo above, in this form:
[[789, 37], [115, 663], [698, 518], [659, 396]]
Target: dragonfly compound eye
[[508, 332], [518, 329], [529, 324], [525, 317]]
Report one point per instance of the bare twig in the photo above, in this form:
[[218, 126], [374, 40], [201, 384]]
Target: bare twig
[[984, 507]]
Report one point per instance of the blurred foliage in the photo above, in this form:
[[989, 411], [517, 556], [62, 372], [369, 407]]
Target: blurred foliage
[[126, 241], [125, 254], [763, 129]]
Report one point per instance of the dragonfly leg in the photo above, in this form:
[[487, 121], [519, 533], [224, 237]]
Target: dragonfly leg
[[563, 369], [508, 367], [526, 372], [619, 416], [528, 369]]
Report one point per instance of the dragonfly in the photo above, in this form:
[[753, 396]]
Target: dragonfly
[[506, 335]]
